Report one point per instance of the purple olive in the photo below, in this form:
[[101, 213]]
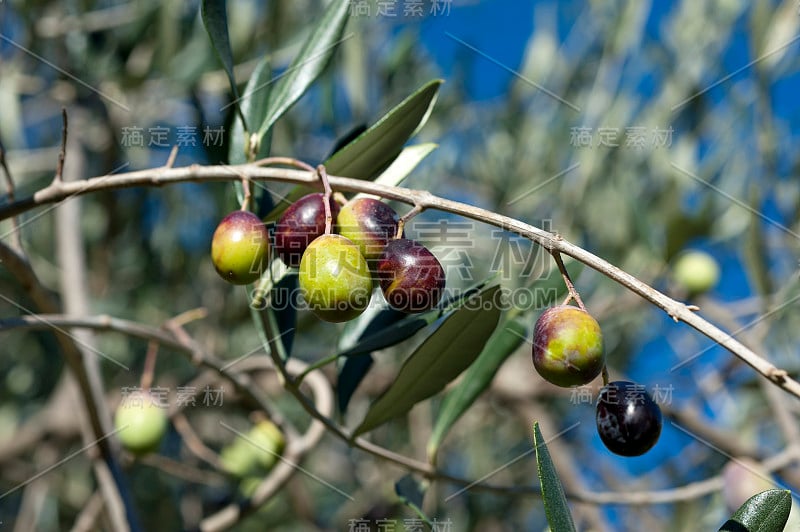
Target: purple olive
[[628, 420], [411, 277], [300, 225], [370, 224]]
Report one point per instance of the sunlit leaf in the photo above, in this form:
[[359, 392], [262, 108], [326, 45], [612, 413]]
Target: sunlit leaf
[[373, 150], [405, 163], [477, 378], [444, 355], [309, 63]]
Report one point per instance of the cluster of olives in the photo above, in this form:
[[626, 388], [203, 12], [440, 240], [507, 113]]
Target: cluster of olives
[[338, 262], [568, 351]]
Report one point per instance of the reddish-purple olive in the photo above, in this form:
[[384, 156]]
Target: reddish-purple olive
[[628, 420], [240, 247], [411, 277], [370, 224], [300, 225], [567, 346]]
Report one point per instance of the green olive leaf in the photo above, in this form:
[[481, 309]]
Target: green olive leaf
[[386, 328], [444, 355], [403, 165], [373, 150], [215, 19], [505, 340], [309, 63], [767, 511], [555, 502], [253, 105]]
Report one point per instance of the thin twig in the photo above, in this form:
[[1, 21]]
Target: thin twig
[[326, 198], [193, 442], [246, 195], [572, 292], [149, 365], [17, 236], [401, 223], [552, 242], [173, 154], [62, 154], [688, 492]]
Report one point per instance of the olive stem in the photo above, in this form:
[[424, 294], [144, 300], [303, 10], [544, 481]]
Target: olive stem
[[62, 153], [406, 217], [326, 198], [16, 238], [573, 293], [605, 375], [247, 194], [149, 365]]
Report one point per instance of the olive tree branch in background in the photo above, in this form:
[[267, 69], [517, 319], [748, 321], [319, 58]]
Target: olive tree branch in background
[[422, 200], [321, 410], [19, 266], [75, 301]]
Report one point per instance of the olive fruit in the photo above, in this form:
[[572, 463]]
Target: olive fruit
[[567, 346], [370, 224], [335, 279], [258, 451], [240, 247], [300, 224], [696, 271], [628, 420], [140, 423], [411, 277]]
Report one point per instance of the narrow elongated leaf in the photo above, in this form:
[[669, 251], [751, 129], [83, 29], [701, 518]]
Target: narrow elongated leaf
[[374, 149], [308, 64], [447, 352], [505, 340], [350, 376], [375, 339], [403, 165], [254, 105], [385, 329], [767, 511], [215, 19], [555, 502]]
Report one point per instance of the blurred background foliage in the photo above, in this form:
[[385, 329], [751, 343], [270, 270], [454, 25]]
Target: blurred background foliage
[[524, 81]]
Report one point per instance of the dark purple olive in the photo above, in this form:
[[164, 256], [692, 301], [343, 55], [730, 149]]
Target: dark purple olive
[[370, 224], [300, 225], [411, 277], [628, 420]]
